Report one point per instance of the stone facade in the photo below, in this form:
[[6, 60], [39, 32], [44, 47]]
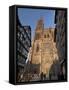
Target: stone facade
[[44, 50]]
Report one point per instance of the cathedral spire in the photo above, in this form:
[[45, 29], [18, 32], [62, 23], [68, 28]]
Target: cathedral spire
[[40, 24]]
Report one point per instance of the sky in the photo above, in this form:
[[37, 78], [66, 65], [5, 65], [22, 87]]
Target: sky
[[30, 17]]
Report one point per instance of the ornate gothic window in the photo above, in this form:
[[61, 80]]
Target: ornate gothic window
[[37, 48], [47, 35], [44, 36]]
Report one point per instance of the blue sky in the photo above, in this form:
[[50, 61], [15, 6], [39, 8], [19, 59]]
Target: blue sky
[[31, 16]]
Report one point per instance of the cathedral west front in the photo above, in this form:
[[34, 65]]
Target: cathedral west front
[[43, 50]]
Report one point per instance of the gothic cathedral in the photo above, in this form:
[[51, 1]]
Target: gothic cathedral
[[44, 50]]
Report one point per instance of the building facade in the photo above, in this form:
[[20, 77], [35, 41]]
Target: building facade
[[44, 50], [60, 38], [23, 43]]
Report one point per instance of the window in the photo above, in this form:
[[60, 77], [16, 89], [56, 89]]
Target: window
[[21, 37], [37, 48], [18, 45], [44, 36], [47, 35]]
